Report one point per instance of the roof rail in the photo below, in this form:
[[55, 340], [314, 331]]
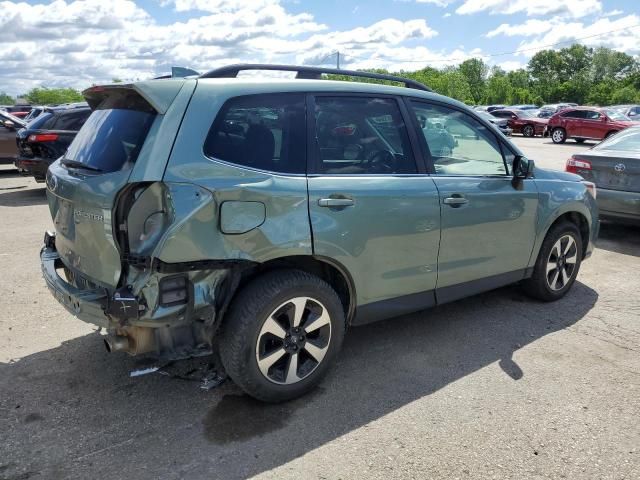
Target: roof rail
[[312, 73]]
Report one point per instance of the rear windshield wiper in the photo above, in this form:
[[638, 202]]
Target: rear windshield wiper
[[84, 166]]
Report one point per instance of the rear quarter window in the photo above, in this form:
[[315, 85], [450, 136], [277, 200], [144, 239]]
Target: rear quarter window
[[266, 132]]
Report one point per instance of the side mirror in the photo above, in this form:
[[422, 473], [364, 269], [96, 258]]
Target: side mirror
[[522, 169], [9, 124]]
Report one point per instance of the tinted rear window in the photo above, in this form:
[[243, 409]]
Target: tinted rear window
[[43, 122], [71, 120], [111, 138]]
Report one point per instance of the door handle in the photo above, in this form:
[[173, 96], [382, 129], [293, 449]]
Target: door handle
[[336, 202], [455, 201]]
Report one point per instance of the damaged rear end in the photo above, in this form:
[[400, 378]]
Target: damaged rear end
[[112, 215]]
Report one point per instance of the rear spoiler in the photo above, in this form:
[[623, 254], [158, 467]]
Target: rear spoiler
[[158, 94]]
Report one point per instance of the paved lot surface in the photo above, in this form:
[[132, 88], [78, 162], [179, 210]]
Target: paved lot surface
[[495, 386]]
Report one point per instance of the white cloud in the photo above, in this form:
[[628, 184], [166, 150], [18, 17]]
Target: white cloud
[[438, 3], [613, 13], [621, 34], [80, 42], [531, 27], [572, 8]]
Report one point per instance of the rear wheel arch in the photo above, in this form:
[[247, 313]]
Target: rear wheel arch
[[324, 268], [610, 132]]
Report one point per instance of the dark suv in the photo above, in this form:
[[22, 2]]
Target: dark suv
[[46, 139]]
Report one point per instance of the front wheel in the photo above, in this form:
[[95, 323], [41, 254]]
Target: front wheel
[[281, 334], [528, 131], [558, 135], [558, 263]]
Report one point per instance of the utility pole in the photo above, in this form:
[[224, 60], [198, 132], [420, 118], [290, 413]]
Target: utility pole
[[338, 60]]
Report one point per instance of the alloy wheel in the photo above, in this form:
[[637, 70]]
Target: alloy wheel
[[528, 131], [561, 263], [293, 340], [557, 135]]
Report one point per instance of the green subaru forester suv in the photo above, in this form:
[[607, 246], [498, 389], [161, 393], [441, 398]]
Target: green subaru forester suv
[[260, 218]]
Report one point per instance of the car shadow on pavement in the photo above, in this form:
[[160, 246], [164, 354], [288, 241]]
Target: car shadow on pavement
[[73, 410], [22, 198], [619, 238]]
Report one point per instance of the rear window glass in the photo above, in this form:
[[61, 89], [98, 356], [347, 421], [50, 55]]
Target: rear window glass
[[266, 132], [43, 122], [72, 120], [111, 139]]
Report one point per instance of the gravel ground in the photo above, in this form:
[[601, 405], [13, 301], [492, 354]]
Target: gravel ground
[[494, 386]]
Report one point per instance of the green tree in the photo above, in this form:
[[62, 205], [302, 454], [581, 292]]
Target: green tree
[[475, 73], [53, 96], [609, 64], [6, 99]]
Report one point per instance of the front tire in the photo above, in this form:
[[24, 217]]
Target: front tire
[[528, 131], [281, 334], [558, 135], [558, 263]]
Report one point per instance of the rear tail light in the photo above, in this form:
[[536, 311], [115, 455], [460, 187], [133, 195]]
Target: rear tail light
[[42, 137], [591, 188], [574, 165]]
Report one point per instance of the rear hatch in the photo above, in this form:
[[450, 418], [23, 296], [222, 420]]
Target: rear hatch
[[83, 186]]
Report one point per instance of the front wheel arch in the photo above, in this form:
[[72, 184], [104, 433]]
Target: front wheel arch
[[577, 219]]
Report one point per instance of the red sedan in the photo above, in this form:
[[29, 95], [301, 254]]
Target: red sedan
[[522, 121], [587, 123]]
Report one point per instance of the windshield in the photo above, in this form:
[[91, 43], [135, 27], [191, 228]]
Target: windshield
[[616, 115], [110, 139], [627, 140]]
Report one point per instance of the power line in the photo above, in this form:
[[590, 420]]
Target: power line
[[444, 60]]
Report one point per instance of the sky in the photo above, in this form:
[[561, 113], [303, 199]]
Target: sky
[[66, 43]]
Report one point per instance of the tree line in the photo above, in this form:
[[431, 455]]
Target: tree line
[[579, 74]]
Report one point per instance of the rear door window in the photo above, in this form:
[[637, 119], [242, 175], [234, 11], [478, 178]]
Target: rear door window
[[266, 132], [574, 114]]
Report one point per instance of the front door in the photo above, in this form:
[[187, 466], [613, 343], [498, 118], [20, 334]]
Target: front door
[[488, 226], [371, 209]]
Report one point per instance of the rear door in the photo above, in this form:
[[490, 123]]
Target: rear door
[[372, 209], [488, 226], [573, 122], [593, 125]]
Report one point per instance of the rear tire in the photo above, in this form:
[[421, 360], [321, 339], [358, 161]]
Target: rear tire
[[558, 135], [609, 134], [528, 131], [557, 265], [281, 334]]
